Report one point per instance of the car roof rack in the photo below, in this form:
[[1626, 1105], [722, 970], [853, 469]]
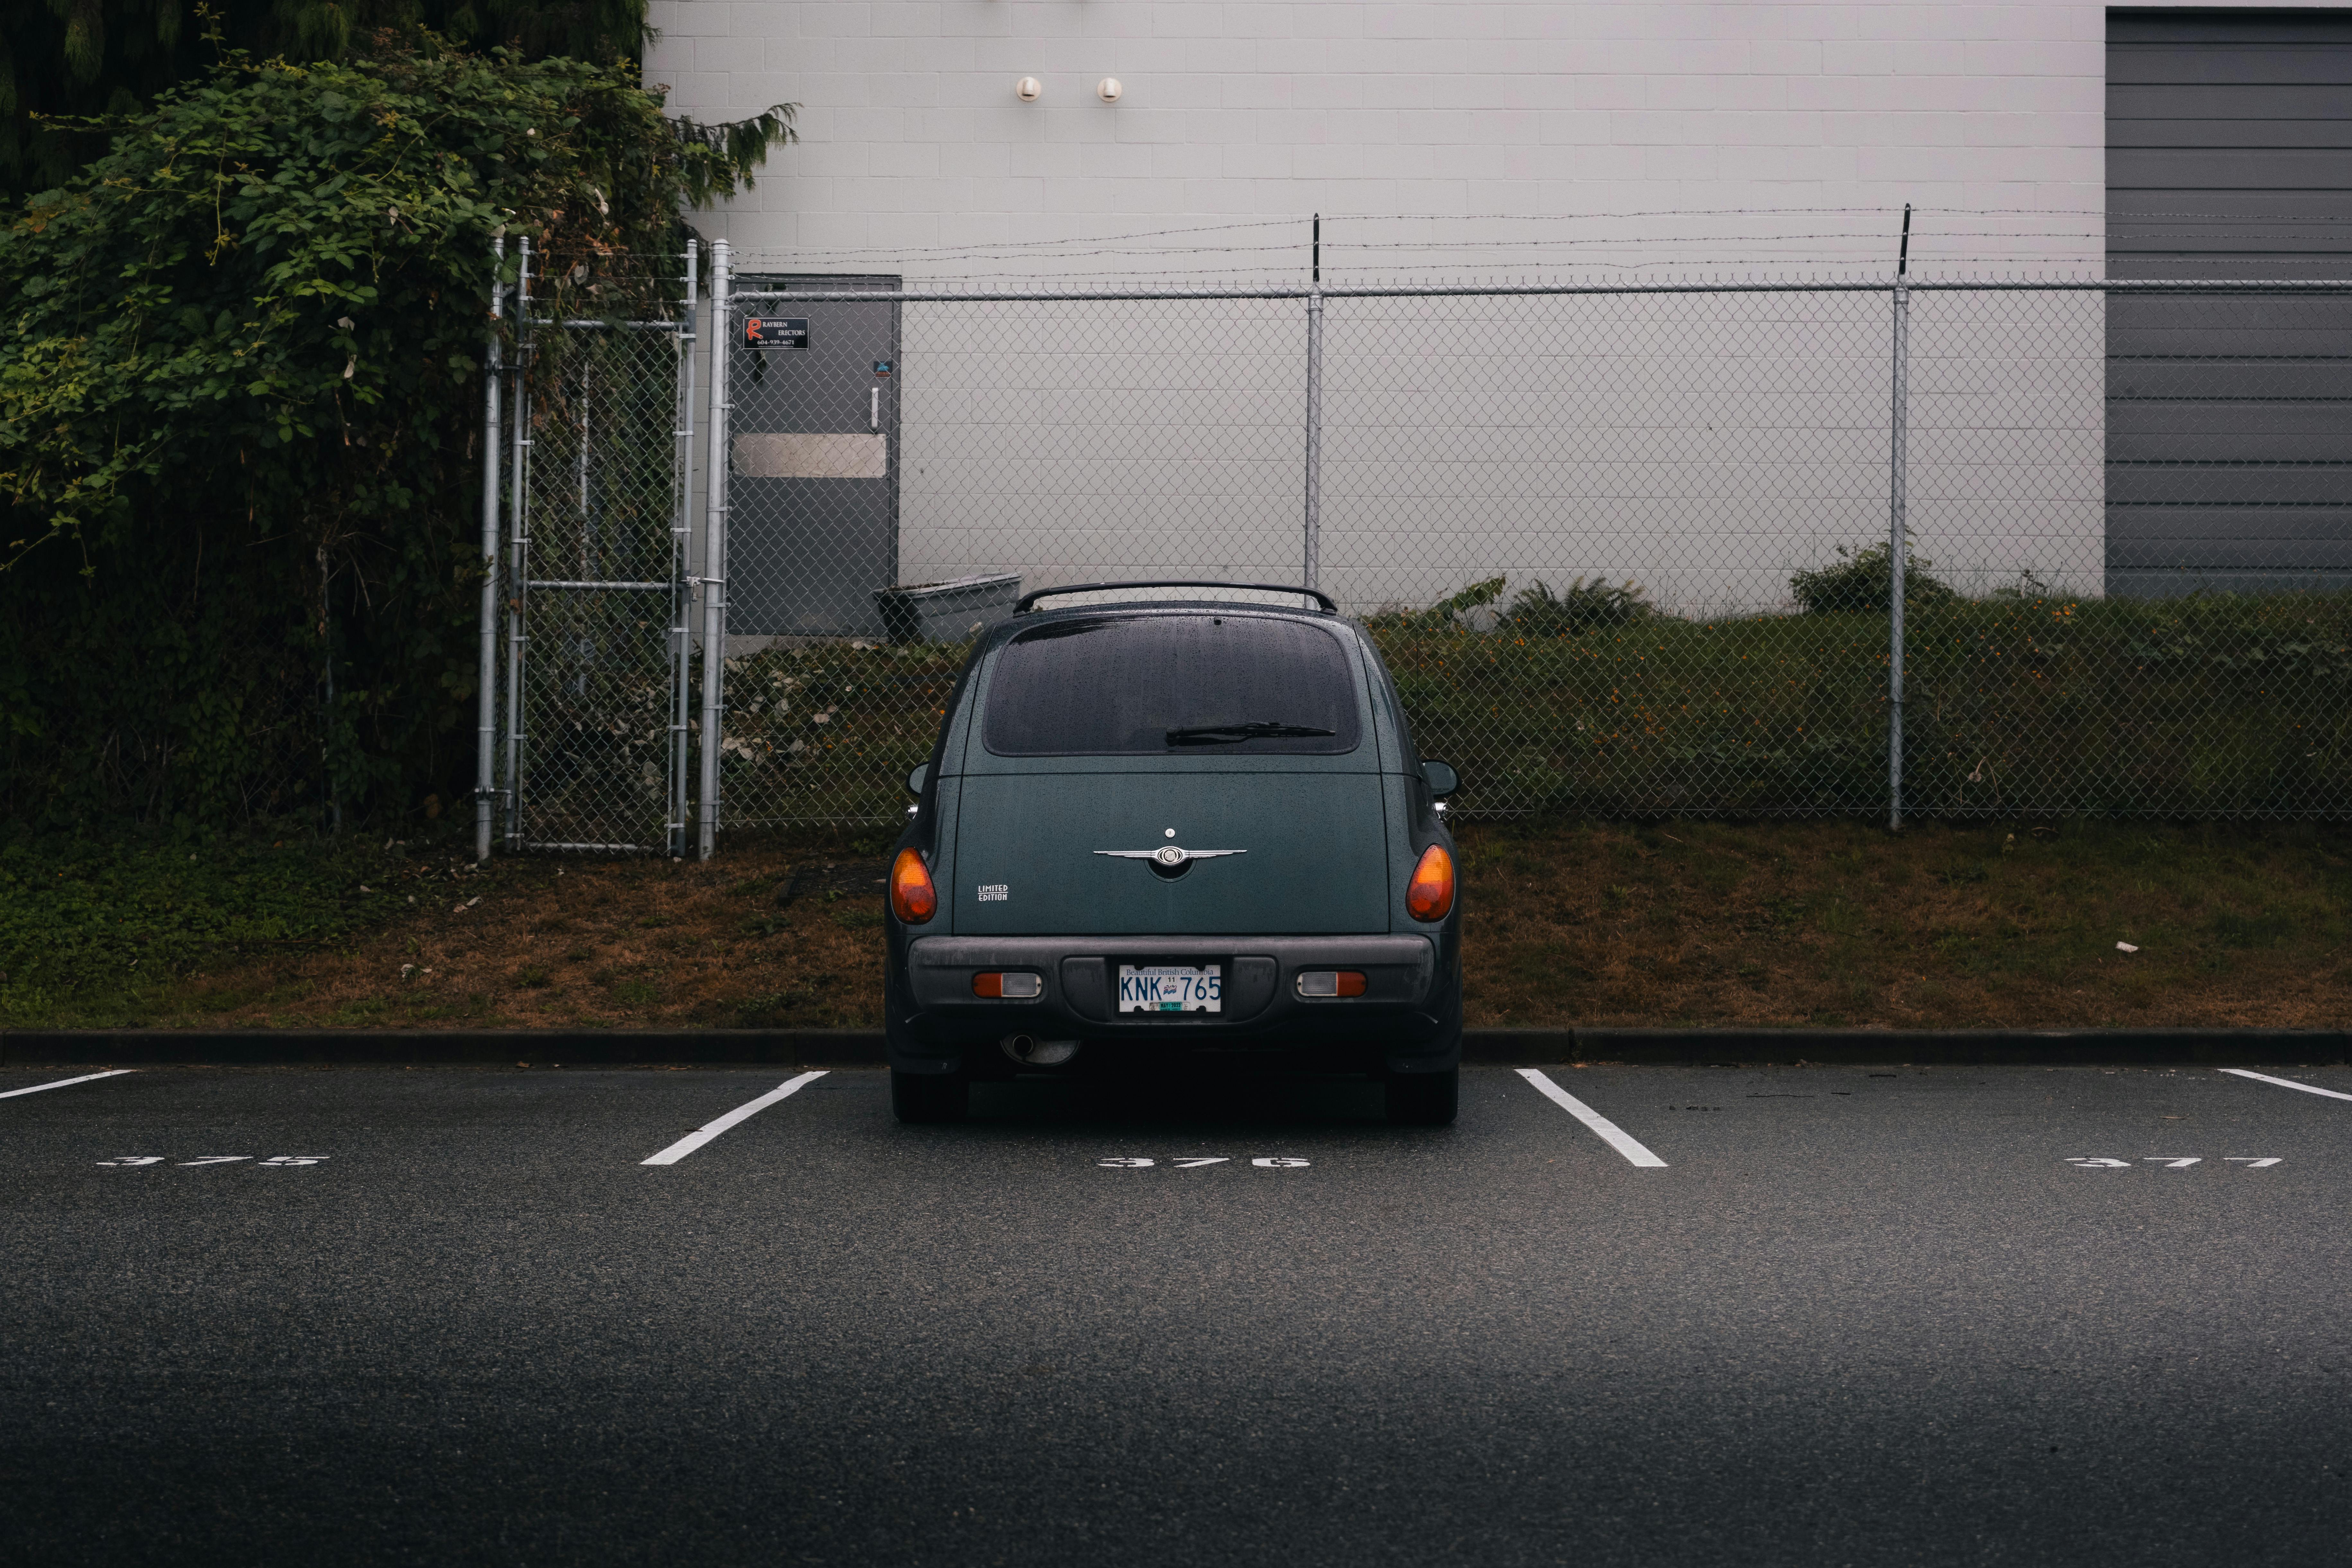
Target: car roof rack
[[1029, 600]]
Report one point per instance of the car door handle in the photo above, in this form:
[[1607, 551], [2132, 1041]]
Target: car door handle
[[874, 408]]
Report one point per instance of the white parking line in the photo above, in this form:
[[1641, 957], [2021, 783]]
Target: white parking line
[[2288, 1083], [60, 1083], [705, 1133], [1616, 1137]]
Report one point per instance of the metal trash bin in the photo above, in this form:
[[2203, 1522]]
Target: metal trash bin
[[946, 612]]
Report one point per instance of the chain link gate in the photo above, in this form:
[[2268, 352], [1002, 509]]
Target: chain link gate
[[597, 595]]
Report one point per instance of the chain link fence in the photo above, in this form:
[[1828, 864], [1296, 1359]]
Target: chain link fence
[[1629, 550], [2131, 594], [1012, 445]]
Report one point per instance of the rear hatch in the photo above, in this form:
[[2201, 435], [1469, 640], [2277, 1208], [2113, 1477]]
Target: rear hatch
[[1242, 740], [1306, 853]]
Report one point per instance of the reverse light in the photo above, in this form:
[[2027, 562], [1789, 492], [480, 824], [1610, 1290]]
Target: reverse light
[[1011, 986], [1331, 983], [913, 898], [1431, 892]]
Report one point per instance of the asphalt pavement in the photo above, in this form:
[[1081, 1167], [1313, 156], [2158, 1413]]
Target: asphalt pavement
[[1615, 1315]]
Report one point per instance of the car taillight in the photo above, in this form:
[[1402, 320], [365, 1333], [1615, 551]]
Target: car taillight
[[913, 898], [1008, 985], [1431, 893], [1331, 983]]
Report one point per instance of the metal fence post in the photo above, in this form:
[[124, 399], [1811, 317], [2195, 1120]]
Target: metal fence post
[[1314, 439], [517, 544], [681, 541], [1314, 542], [486, 704], [1898, 535], [714, 559]]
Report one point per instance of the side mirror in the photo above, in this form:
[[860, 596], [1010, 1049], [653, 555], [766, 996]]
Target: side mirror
[[916, 778], [1443, 779]]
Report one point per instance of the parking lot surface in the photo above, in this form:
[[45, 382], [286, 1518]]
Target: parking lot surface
[[1837, 1315]]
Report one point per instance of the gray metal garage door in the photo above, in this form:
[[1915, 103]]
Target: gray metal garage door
[[2229, 156]]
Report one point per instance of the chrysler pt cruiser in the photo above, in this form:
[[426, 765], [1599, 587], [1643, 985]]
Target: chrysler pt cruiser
[[1178, 828]]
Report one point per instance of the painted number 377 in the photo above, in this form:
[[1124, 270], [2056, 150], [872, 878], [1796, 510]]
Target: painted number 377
[[2169, 1162]]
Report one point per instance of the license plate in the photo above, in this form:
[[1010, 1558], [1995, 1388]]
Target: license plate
[[1170, 988]]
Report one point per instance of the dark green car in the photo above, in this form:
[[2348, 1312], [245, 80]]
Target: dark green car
[[1153, 829]]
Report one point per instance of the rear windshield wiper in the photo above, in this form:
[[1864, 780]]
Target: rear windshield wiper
[[1223, 734]]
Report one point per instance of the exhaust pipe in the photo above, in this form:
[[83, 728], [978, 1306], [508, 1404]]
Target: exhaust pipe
[[1031, 1051]]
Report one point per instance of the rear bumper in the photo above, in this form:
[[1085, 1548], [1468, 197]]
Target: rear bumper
[[1410, 1013]]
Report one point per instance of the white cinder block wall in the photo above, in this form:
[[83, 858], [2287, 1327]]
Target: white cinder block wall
[[1486, 138]]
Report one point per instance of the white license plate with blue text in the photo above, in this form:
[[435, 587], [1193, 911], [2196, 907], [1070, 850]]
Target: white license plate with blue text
[[1170, 988]]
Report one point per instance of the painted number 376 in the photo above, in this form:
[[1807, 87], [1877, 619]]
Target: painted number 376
[[1194, 1162]]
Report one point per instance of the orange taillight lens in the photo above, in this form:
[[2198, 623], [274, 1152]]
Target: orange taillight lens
[[914, 900], [1431, 893]]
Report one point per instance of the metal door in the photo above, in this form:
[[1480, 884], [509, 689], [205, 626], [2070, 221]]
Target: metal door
[[813, 487]]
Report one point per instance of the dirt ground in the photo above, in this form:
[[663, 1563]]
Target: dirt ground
[[1842, 923], [1680, 924]]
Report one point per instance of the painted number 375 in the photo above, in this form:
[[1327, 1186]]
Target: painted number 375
[[215, 1160]]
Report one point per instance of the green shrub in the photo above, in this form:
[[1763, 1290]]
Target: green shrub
[[2209, 706], [1538, 612], [1444, 616], [2024, 702], [240, 405], [1860, 582]]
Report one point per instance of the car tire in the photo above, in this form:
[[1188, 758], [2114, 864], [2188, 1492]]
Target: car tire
[[1424, 1098], [929, 1098]]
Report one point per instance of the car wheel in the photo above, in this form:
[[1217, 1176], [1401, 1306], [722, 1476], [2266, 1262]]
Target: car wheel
[[1424, 1098], [928, 1097]]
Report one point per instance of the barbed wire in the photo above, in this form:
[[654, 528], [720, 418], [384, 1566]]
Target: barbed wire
[[1948, 243]]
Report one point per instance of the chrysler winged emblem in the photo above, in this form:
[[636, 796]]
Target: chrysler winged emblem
[[1169, 856]]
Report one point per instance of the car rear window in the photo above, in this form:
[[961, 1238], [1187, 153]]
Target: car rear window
[[1170, 685]]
